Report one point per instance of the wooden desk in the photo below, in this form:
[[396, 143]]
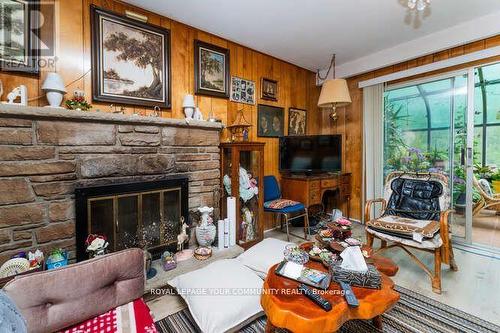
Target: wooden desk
[[310, 189]]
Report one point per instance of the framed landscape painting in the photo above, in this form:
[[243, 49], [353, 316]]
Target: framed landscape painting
[[211, 70], [297, 121], [270, 121], [130, 61], [19, 36]]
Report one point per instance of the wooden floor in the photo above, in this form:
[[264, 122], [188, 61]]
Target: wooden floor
[[475, 288]]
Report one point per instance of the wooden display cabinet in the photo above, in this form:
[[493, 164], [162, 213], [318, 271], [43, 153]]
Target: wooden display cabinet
[[239, 160]]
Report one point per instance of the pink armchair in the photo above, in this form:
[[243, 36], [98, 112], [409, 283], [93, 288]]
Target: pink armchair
[[55, 299]]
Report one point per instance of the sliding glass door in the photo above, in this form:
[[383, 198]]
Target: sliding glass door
[[426, 131], [452, 125]]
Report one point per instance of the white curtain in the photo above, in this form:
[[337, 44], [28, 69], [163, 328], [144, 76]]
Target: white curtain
[[373, 145]]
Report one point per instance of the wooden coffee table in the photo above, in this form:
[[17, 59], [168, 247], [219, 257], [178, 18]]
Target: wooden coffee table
[[286, 309]]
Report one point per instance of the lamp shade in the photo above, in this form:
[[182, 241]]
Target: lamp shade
[[334, 93], [188, 101], [54, 82]]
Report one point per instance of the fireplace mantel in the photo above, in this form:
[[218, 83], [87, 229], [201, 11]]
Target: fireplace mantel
[[35, 112]]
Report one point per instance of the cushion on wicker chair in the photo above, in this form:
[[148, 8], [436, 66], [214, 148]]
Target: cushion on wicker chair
[[405, 226], [428, 243]]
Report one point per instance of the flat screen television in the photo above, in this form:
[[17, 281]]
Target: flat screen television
[[311, 154]]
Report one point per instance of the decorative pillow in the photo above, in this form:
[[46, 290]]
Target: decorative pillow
[[223, 296], [263, 255], [280, 203], [485, 185], [405, 226]]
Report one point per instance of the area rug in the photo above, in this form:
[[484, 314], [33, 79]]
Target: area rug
[[414, 313]]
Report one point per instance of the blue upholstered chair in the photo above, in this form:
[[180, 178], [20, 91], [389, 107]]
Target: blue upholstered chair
[[289, 211]]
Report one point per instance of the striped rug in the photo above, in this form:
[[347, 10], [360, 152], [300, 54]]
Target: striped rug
[[414, 313]]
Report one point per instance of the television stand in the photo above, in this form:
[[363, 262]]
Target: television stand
[[310, 189]]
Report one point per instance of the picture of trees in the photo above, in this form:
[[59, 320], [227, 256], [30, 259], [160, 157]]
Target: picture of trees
[[132, 60], [211, 70]]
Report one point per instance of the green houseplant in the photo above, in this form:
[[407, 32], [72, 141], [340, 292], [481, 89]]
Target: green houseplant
[[495, 181]]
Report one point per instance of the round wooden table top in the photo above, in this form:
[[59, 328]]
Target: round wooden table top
[[286, 308]]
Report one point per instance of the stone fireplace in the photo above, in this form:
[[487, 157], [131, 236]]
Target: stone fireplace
[[46, 154], [142, 214]]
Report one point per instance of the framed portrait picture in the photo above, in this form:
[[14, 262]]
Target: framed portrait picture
[[297, 121], [269, 89], [130, 61], [20, 32], [211, 70], [270, 121], [242, 91]]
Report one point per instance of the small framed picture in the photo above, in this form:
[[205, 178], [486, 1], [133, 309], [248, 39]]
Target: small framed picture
[[270, 121], [211, 70], [269, 89], [297, 121], [242, 91]]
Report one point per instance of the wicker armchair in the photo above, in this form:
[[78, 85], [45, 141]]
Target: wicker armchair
[[425, 227], [488, 198]]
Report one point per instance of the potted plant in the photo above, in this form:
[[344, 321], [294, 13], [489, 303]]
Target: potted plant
[[495, 181], [483, 172], [437, 158]]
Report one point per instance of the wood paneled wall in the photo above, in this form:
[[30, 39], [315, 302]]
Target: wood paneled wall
[[350, 122], [296, 85]]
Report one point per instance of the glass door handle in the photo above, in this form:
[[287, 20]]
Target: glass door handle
[[470, 157], [462, 156]]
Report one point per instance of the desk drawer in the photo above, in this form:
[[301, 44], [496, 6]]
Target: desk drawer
[[329, 183], [314, 197], [313, 185]]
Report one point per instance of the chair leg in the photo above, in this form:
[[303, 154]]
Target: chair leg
[[453, 263], [286, 224], [383, 244], [369, 240], [306, 225], [436, 279]]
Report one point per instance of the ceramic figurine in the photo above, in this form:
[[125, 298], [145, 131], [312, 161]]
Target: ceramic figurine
[[197, 114], [21, 92], [182, 237], [206, 231]]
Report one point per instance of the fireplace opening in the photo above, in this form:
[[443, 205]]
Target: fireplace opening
[[140, 214]]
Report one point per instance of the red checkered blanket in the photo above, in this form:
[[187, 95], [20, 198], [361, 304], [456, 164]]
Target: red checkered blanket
[[133, 317]]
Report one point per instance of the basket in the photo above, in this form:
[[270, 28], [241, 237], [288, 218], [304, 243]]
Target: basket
[[202, 253]]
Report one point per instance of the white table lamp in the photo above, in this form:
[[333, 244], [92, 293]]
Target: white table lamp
[[54, 88], [188, 105]]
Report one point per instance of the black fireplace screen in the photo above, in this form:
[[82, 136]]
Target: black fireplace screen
[[145, 214]]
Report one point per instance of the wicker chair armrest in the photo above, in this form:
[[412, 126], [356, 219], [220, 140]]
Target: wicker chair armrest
[[369, 204]]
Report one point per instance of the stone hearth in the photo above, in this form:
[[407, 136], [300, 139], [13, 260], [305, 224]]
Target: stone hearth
[[46, 153]]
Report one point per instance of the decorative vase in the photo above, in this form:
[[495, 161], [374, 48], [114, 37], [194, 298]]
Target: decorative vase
[[205, 235], [148, 260]]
